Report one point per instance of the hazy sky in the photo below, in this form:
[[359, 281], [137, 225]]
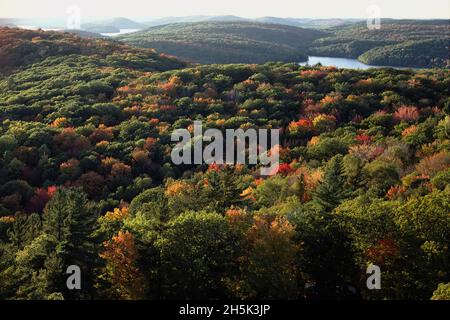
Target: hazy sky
[[143, 9]]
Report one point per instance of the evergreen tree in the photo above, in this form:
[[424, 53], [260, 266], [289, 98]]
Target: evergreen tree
[[70, 220], [223, 190], [326, 259], [332, 191], [17, 234]]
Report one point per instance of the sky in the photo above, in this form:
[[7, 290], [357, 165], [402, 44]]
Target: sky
[[147, 9]]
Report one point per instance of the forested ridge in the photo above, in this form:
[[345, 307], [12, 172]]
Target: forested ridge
[[20, 48], [227, 42], [401, 43], [86, 177]]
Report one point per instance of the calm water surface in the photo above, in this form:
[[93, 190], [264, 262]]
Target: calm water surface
[[122, 31], [341, 63]]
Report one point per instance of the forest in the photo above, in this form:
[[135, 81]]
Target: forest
[[86, 177], [401, 43], [227, 42]]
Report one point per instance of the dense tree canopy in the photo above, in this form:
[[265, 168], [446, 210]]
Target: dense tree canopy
[[403, 43], [86, 178], [227, 42]]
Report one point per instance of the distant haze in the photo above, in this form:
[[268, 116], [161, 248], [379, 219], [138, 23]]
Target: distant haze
[[148, 9]]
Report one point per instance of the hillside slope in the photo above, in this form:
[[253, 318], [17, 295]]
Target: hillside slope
[[227, 42], [422, 53], [87, 177], [85, 34], [295, 22], [112, 25], [414, 43], [20, 48]]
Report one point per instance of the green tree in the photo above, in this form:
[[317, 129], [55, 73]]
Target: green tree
[[442, 292], [326, 259], [196, 252], [268, 258], [70, 220], [332, 190]]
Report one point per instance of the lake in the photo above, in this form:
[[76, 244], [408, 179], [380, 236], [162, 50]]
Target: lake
[[122, 31], [340, 63]]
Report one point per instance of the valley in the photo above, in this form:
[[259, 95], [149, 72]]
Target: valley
[[232, 39], [360, 177]]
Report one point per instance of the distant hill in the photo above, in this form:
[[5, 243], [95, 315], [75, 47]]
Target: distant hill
[[396, 30], [49, 23], [227, 42], [115, 24], [85, 34], [233, 39], [228, 18], [420, 53], [20, 48], [295, 22], [4, 22], [101, 29], [170, 20], [407, 43], [308, 23], [112, 25]]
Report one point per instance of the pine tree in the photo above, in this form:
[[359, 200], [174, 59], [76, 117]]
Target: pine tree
[[331, 192], [223, 189], [17, 234], [70, 220]]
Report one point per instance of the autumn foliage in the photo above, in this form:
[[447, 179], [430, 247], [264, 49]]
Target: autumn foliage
[[122, 272]]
